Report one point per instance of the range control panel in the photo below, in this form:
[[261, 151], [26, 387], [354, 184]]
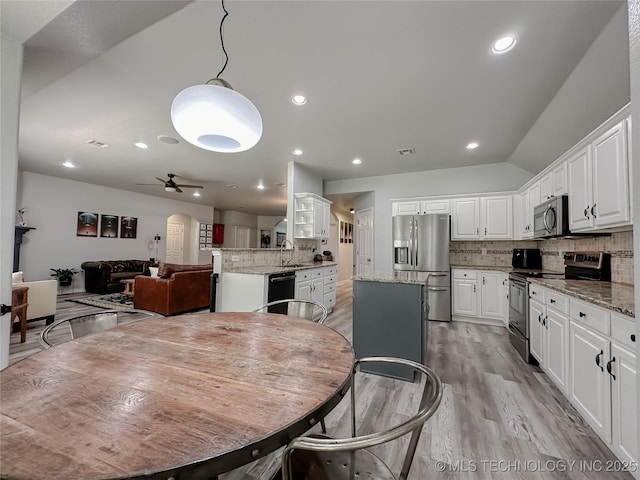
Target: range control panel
[[595, 260]]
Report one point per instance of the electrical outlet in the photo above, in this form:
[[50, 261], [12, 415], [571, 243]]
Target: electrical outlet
[[235, 258]]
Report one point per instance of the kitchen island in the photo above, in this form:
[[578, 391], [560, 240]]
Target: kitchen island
[[390, 319]]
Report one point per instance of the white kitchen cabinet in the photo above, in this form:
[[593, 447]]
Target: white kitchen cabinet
[[409, 207], [553, 183], [243, 292], [318, 284], [536, 330], [312, 214], [497, 217], [529, 199], [465, 292], [493, 296], [624, 403], [590, 388], [548, 333], [482, 218], [421, 207], [465, 218], [479, 296], [598, 176]]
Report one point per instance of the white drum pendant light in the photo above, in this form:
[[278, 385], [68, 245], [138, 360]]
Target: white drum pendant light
[[214, 116]]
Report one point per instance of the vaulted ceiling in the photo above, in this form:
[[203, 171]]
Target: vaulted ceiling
[[379, 76]]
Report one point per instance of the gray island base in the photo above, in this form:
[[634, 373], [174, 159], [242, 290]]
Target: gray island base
[[390, 319]]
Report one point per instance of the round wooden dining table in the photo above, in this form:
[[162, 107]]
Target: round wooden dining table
[[187, 397]]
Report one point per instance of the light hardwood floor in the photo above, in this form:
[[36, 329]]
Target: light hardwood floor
[[499, 417]]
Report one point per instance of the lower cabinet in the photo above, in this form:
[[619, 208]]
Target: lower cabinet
[[318, 284], [480, 296], [603, 376]]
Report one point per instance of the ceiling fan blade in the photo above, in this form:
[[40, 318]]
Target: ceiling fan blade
[[190, 186], [178, 189], [160, 180]]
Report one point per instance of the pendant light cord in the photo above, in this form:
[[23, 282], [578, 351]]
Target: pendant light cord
[[222, 41]]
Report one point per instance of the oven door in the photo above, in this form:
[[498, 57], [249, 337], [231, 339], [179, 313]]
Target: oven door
[[519, 306]]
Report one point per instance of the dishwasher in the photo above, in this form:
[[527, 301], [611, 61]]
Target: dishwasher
[[282, 286]]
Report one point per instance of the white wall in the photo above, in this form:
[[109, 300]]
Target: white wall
[[232, 219], [52, 208], [493, 177], [10, 70]]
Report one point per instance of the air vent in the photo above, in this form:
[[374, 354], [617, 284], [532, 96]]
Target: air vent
[[407, 151], [96, 143], [233, 185]]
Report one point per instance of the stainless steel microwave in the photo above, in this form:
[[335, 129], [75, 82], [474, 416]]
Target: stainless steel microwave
[[551, 218]]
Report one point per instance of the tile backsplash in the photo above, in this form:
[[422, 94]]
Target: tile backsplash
[[247, 257], [619, 245]]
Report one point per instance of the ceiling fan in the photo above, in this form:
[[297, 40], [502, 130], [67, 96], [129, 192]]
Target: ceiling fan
[[170, 185]]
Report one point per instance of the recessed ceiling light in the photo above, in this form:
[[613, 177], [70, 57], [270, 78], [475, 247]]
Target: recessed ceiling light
[[504, 44], [356, 161], [298, 99], [167, 139], [68, 164], [472, 145], [196, 194], [141, 145], [297, 151], [260, 186]]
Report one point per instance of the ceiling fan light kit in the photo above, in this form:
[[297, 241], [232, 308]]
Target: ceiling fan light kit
[[214, 116]]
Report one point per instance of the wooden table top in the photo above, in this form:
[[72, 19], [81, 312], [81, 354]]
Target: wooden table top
[[193, 395]]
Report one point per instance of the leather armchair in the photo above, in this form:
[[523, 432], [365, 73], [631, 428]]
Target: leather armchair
[[180, 292]]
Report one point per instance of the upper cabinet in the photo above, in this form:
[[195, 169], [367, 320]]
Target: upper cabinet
[[599, 182], [311, 216], [553, 183], [482, 218], [529, 199], [421, 207]]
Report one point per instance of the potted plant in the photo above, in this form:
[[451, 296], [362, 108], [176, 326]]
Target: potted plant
[[64, 275]]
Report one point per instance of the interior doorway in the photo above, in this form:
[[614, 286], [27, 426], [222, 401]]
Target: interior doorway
[[242, 237], [364, 241], [175, 243]]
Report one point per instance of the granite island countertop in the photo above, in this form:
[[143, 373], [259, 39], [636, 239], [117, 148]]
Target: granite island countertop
[[413, 278], [617, 297], [271, 269]]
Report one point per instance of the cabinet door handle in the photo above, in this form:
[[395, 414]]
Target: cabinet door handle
[[540, 318], [546, 325], [592, 211], [609, 367], [598, 360], [483, 280], [485, 230], [586, 212], [477, 230], [633, 337], [582, 314], [474, 288]]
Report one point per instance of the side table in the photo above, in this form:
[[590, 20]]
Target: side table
[[129, 286], [19, 304]]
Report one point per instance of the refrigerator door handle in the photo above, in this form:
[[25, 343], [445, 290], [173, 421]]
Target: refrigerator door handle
[[437, 289]]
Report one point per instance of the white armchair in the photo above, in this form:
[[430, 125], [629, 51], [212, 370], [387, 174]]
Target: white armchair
[[42, 299]]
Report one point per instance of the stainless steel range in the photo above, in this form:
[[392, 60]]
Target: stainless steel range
[[594, 266]]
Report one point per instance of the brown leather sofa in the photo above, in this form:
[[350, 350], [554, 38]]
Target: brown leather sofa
[[176, 289], [104, 276]]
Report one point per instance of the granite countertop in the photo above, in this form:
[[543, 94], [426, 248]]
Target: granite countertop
[[414, 278], [498, 268], [271, 269], [612, 296]]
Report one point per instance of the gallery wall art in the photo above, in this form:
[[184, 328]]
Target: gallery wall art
[[128, 227], [109, 226], [87, 224]]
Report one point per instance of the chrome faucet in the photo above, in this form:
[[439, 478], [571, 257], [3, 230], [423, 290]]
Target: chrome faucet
[[282, 252]]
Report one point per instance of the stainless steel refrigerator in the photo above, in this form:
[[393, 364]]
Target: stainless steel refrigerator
[[421, 244]]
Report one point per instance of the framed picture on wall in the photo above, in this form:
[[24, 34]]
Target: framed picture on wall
[[109, 226], [87, 224], [280, 238], [128, 227]]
